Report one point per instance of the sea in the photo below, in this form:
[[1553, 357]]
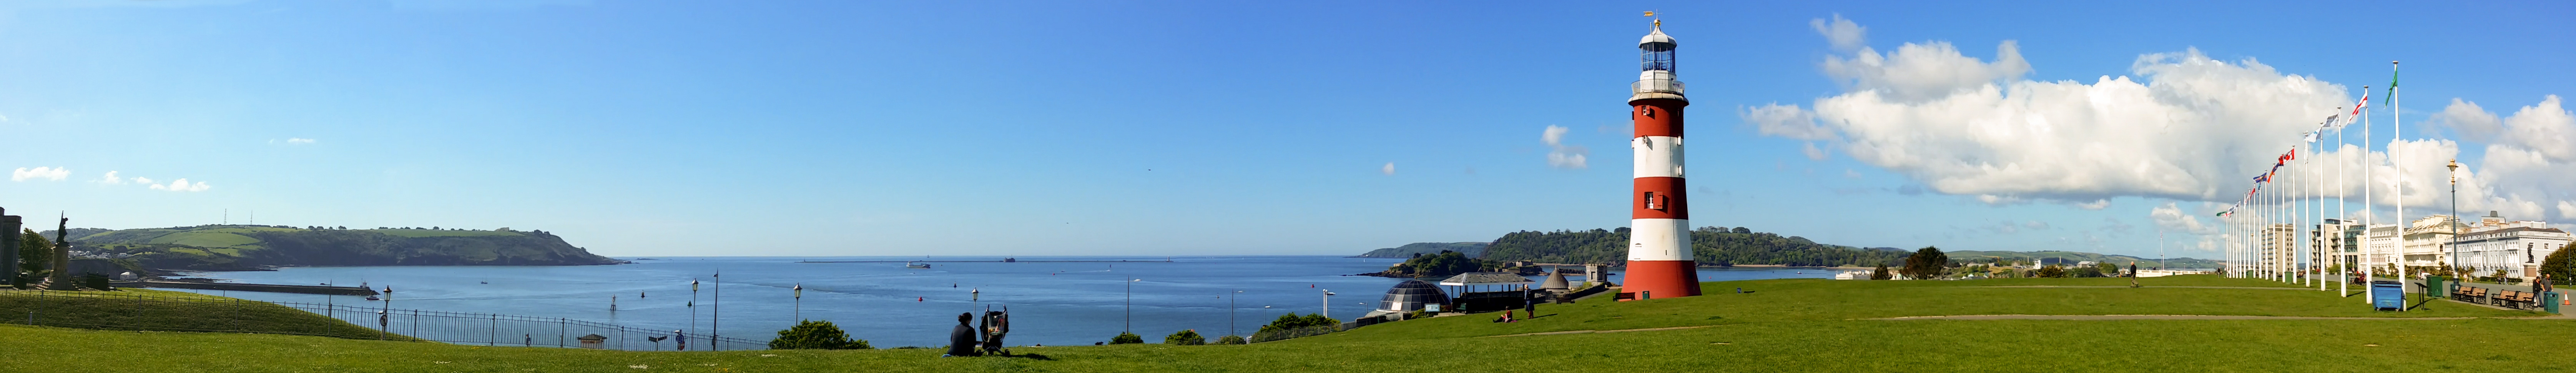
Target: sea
[[1053, 300]]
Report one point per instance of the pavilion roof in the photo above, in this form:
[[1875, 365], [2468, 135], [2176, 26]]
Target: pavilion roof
[[1486, 278]]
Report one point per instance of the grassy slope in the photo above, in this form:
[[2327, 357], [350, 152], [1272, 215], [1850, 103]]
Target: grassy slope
[[1807, 329], [440, 233], [139, 309]]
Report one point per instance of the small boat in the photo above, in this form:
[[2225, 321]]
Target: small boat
[[916, 265], [371, 297], [483, 282]]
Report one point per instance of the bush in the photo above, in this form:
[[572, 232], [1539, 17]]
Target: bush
[[2088, 271], [1185, 337], [818, 335], [1926, 264], [1230, 340], [2050, 271], [1881, 273], [1293, 321], [1126, 338]]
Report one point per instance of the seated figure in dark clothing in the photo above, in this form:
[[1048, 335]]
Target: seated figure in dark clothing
[[961, 340]]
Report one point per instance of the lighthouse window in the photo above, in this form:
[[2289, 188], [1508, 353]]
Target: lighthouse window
[[1656, 56], [1651, 202]]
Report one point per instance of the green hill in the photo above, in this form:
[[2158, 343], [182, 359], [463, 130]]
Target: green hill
[[1709, 245], [2070, 257], [140, 309], [244, 247], [1472, 249]]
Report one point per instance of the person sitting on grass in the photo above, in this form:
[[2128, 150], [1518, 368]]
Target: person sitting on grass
[[961, 340]]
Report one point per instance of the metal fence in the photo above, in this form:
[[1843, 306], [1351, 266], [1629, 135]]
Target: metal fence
[[125, 311], [1310, 331]]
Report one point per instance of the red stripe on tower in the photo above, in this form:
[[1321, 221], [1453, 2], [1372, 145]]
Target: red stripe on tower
[[1660, 264]]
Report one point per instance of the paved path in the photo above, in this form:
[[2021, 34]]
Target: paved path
[[1600, 331], [2156, 317], [2124, 287]]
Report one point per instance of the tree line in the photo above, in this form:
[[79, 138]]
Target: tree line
[[1709, 246]]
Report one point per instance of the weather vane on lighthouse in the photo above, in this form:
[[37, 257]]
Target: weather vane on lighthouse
[[1659, 249]]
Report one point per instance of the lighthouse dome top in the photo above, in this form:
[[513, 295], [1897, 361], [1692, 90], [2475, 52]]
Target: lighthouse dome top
[[1656, 37]]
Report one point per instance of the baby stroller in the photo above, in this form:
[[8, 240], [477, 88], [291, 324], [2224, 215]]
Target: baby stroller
[[995, 324]]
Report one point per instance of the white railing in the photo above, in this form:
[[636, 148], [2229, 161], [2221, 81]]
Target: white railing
[[1656, 85]]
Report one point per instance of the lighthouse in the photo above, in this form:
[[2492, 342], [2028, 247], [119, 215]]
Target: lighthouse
[[1659, 248]]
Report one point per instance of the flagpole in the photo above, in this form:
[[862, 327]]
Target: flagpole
[[2341, 218], [2397, 190]]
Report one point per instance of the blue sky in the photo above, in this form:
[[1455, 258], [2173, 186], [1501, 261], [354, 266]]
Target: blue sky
[[1193, 128]]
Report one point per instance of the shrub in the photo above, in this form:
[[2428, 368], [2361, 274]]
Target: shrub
[[1185, 337], [1881, 273], [1926, 264], [1230, 340], [820, 335], [2051, 271], [1293, 321], [2558, 266], [1126, 338], [1416, 314]]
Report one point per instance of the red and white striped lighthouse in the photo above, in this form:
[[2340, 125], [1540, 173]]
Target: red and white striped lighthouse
[[1659, 247]]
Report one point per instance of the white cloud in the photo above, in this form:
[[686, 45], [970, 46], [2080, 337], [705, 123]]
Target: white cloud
[[1785, 121], [1841, 32], [111, 179], [1561, 155], [2187, 127], [2171, 218], [142, 180], [1389, 169], [1813, 152], [299, 140], [1916, 73], [180, 185], [2095, 205], [2035, 224], [47, 173]]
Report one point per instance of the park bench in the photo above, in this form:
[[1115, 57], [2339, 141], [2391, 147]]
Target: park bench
[[2471, 294], [1624, 297], [2514, 299]]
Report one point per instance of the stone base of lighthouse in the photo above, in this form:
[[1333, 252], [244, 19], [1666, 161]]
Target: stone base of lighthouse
[[1663, 278]]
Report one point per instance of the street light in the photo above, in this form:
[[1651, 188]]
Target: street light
[[2455, 216]]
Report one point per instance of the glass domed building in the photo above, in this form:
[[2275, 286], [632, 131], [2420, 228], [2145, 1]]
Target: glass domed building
[[1411, 295]]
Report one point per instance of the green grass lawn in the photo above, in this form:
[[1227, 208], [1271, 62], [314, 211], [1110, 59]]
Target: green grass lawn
[[1784, 326], [140, 309]]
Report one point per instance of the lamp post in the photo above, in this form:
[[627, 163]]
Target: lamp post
[[2455, 218], [1131, 304], [693, 307], [800, 302], [715, 320]]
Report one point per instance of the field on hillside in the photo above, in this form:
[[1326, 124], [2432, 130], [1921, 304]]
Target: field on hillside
[[1782, 326]]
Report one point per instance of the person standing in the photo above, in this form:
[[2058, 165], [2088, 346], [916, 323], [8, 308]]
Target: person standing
[[682, 337]]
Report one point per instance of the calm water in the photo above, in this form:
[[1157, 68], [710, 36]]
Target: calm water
[[1058, 303]]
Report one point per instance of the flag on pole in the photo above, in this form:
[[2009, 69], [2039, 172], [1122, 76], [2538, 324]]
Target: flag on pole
[[2312, 135], [2392, 85], [1650, 13]]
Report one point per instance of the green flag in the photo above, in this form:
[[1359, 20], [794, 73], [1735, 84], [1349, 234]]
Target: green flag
[[2392, 85]]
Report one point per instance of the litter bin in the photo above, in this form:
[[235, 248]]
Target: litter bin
[[2387, 295], [2550, 301], [2433, 287]]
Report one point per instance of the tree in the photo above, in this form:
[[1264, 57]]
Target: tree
[[1230, 340], [2050, 271], [2107, 268], [34, 251], [1927, 263], [1743, 230], [1880, 274], [1126, 338], [1293, 321], [819, 335], [1185, 337], [2088, 271], [2559, 266]]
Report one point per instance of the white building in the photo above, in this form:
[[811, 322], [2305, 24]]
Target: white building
[[2516, 248], [2273, 253]]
